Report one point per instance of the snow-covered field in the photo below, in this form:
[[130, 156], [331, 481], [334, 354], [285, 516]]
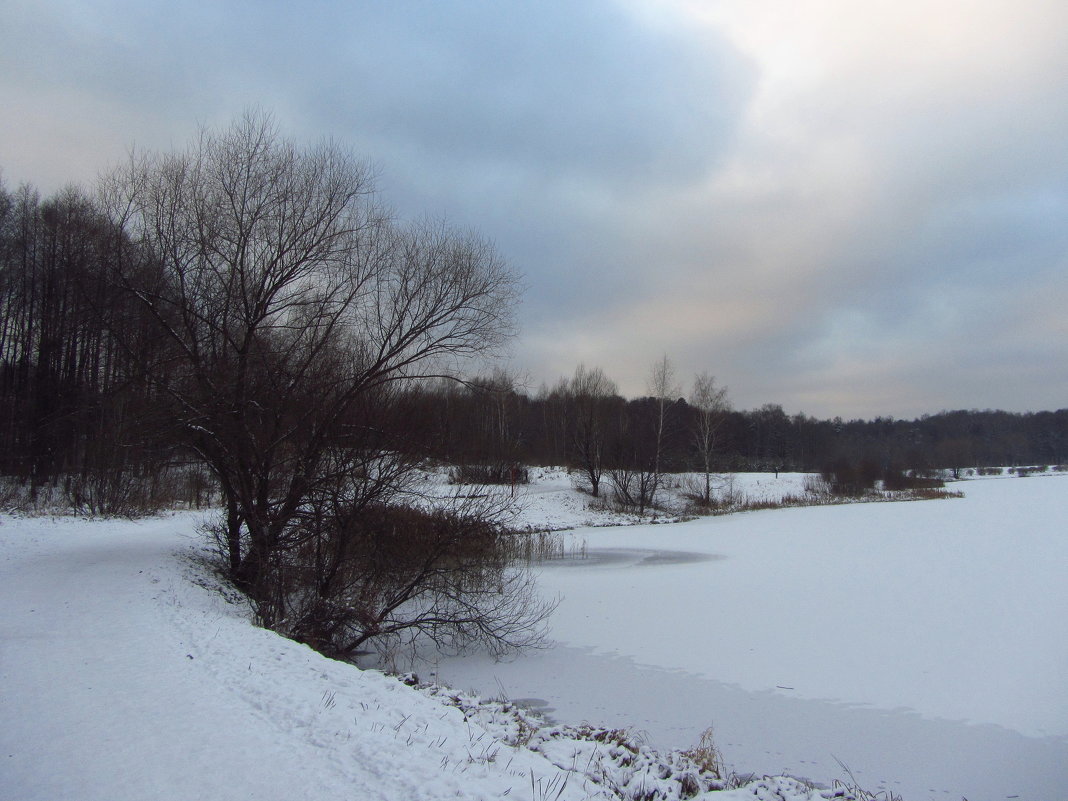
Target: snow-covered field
[[921, 644], [550, 500]]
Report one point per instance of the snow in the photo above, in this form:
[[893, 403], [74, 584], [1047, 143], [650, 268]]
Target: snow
[[122, 679], [551, 500], [921, 644], [127, 674]]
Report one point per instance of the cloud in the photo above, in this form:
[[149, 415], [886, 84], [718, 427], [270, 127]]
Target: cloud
[[556, 89], [845, 208], [895, 183]]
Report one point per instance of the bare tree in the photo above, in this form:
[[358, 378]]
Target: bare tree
[[491, 454], [664, 389], [710, 408], [71, 412], [292, 303], [588, 393]]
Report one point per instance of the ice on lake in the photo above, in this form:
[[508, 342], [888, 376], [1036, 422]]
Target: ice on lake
[[920, 644]]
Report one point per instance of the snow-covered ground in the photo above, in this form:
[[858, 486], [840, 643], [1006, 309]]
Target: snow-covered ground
[[921, 644], [551, 499], [126, 674]]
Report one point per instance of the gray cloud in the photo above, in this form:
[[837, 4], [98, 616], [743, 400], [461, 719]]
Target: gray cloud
[[840, 214], [556, 89]]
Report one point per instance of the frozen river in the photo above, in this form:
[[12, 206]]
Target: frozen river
[[920, 644]]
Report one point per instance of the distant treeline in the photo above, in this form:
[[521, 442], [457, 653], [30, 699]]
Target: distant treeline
[[72, 399], [74, 402], [465, 425]]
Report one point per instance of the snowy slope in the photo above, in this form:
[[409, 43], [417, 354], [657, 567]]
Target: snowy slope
[[122, 679], [126, 675]]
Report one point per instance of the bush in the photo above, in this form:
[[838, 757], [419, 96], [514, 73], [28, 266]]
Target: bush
[[110, 493], [505, 473], [634, 490], [848, 479], [371, 576], [817, 486], [844, 478], [1024, 472], [897, 480], [118, 492]]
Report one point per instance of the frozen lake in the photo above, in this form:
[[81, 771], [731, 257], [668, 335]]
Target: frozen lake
[[921, 644]]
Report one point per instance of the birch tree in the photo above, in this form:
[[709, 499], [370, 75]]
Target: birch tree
[[710, 408]]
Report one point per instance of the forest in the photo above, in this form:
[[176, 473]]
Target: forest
[[76, 405]]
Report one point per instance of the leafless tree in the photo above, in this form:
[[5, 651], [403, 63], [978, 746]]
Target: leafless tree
[[293, 303], [72, 413], [710, 407], [588, 392], [664, 389], [492, 452]]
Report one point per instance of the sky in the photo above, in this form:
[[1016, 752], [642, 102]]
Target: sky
[[845, 208]]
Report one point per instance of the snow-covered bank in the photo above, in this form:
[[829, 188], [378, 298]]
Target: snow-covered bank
[[124, 677], [922, 643], [550, 500]]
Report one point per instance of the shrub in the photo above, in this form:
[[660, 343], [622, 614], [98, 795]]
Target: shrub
[[1024, 472], [853, 480], [849, 479], [505, 473], [371, 575], [117, 492], [896, 480], [634, 490], [817, 485]]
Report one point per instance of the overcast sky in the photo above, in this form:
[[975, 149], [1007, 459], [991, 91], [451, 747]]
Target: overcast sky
[[846, 208]]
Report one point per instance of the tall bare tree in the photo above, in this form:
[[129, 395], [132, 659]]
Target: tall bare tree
[[589, 392], [710, 407], [664, 389], [292, 303], [70, 413]]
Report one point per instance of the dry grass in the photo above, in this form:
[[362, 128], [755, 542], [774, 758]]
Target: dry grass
[[740, 502], [539, 545], [706, 756], [853, 791]]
